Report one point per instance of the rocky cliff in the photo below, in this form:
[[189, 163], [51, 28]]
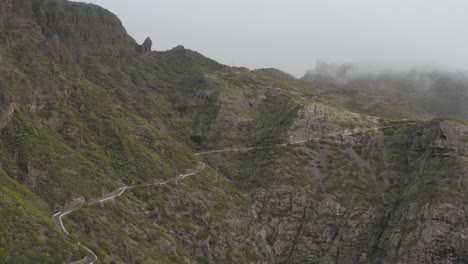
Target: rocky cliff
[[10, 8], [393, 195], [87, 29]]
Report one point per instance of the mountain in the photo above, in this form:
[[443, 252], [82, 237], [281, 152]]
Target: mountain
[[110, 138], [441, 93]]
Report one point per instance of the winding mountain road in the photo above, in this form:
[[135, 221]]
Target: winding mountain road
[[89, 259], [91, 256], [298, 142]]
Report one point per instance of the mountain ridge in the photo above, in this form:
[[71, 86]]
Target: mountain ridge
[[81, 117], [442, 93]]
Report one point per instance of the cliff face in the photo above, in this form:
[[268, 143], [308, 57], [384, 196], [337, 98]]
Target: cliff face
[[19, 8], [392, 196], [87, 29], [317, 120], [14, 13]]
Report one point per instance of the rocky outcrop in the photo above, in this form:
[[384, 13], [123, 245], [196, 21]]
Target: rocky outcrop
[[86, 29], [19, 8], [15, 14], [443, 140], [301, 231], [179, 48], [331, 222], [145, 47], [316, 120], [431, 233], [7, 115]]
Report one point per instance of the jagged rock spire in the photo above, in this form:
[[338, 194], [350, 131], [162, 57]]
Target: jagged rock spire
[[146, 46]]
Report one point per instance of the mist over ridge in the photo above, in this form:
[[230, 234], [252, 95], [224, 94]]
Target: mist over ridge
[[443, 92], [293, 35]]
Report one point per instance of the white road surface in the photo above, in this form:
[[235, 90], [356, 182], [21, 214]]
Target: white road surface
[[91, 257], [294, 143]]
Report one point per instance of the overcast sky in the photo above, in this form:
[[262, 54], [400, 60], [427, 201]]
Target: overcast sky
[[292, 35]]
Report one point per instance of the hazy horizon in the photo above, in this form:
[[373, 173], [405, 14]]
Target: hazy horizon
[[293, 35]]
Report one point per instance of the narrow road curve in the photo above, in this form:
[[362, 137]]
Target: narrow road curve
[[91, 257], [298, 142], [121, 191], [58, 220]]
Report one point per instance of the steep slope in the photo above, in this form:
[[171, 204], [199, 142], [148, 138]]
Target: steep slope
[[394, 195], [54, 117], [85, 110], [70, 23], [202, 219], [214, 106], [69, 139], [26, 230]]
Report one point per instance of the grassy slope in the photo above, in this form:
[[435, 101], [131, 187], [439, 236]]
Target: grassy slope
[[67, 140], [83, 129], [80, 129], [27, 234], [110, 129], [89, 136], [202, 219], [209, 106]]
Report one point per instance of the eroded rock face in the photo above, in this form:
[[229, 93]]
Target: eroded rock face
[[352, 235], [443, 140], [300, 230], [145, 47], [316, 120], [432, 233], [424, 220], [14, 14], [7, 115], [20, 8], [86, 29]]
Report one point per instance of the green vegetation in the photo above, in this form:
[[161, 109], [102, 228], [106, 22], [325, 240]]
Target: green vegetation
[[82, 115], [163, 223], [27, 234], [371, 104]]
